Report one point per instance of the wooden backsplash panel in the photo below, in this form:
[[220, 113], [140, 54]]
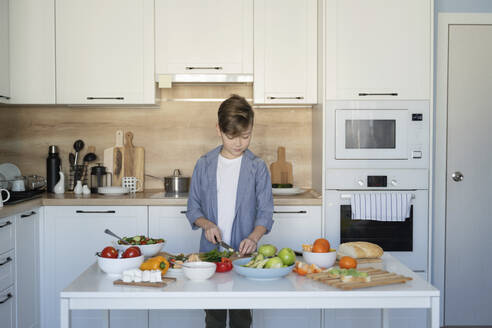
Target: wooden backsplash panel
[[174, 134]]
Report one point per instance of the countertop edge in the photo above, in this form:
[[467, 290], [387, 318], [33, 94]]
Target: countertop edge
[[310, 198]]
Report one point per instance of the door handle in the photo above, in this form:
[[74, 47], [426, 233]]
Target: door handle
[[28, 215], [7, 260], [9, 296], [457, 176], [5, 224]]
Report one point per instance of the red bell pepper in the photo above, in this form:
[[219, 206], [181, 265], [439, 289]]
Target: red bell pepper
[[225, 265]]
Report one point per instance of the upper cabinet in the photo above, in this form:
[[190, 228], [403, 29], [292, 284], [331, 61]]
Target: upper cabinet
[[32, 52], [204, 37], [4, 52], [378, 49], [105, 52], [285, 51]]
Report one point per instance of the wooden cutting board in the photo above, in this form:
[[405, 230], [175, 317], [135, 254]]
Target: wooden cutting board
[[163, 283], [378, 278], [281, 170], [128, 161], [108, 152]]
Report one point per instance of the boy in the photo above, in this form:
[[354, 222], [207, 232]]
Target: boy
[[231, 195]]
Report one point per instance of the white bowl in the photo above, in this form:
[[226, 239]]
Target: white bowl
[[115, 267], [171, 272], [323, 260], [147, 250], [199, 271]]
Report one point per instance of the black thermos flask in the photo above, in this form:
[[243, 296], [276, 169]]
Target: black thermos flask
[[52, 168]]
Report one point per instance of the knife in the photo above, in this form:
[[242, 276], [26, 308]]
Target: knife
[[225, 245]]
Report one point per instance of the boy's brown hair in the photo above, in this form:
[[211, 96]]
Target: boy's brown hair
[[235, 116]]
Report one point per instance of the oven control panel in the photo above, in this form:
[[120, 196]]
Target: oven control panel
[[378, 181]]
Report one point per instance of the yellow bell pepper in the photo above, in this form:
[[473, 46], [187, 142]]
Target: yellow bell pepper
[[156, 263]]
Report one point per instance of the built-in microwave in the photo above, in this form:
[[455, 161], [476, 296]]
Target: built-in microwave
[[378, 131]]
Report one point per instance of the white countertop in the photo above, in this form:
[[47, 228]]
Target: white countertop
[[93, 289], [93, 283]]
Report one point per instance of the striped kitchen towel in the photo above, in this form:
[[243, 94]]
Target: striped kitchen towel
[[382, 206]]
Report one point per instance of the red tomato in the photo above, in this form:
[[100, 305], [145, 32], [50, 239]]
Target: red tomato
[[109, 252], [133, 251], [225, 265]]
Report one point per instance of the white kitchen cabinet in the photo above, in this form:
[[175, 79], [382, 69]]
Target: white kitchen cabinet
[[27, 269], [285, 51], [4, 52], [7, 272], [287, 318], [170, 223], [294, 226], [378, 49], [7, 308], [105, 52], [204, 37], [32, 52], [71, 237]]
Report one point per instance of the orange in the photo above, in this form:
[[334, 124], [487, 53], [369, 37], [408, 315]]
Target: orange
[[321, 245], [347, 262]]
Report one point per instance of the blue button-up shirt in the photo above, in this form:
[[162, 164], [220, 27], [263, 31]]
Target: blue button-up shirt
[[254, 200]]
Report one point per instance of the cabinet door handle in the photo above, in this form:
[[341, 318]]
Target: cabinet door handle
[[28, 215], [7, 260], [105, 98], [5, 97], [274, 97], [9, 296], [95, 212], [5, 224], [183, 212], [363, 94], [217, 68], [289, 212]]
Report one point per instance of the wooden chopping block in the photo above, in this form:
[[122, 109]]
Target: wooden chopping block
[[108, 152], [133, 159], [281, 170]]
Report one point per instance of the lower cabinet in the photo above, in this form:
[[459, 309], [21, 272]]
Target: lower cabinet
[[372, 318], [294, 226], [170, 223], [287, 318], [70, 238], [176, 318], [27, 268], [7, 308]]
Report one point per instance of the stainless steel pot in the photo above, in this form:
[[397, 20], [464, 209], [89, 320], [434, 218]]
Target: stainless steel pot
[[176, 183]]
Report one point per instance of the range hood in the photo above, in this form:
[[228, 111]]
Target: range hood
[[165, 79]]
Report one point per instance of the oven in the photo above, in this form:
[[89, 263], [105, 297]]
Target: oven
[[366, 133], [407, 239]]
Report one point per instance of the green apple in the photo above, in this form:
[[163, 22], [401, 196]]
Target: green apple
[[287, 256], [267, 250]]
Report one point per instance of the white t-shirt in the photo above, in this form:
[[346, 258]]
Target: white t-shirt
[[227, 180]]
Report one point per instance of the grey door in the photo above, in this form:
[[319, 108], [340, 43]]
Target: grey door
[[468, 275]]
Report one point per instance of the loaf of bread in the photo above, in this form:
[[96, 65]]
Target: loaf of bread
[[359, 250]]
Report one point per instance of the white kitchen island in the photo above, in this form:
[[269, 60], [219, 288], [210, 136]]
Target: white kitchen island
[[93, 289]]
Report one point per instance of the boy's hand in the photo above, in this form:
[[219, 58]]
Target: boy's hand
[[247, 246], [212, 233]]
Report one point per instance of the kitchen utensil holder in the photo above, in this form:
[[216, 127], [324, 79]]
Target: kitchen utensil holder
[[77, 172]]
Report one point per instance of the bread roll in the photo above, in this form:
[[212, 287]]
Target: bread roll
[[359, 249]]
